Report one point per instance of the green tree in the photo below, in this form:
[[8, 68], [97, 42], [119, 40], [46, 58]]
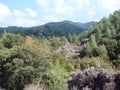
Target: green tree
[[57, 42], [88, 50], [108, 33], [70, 38], [22, 64], [113, 31], [11, 40], [101, 51], [75, 38], [98, 34], [93, 41], [58, 74]]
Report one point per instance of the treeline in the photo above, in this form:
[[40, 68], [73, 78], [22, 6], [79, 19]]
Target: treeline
[[50, 29]]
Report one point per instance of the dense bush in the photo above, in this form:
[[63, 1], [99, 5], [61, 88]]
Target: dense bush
[[58, 74], [95, 62], [21, 63]]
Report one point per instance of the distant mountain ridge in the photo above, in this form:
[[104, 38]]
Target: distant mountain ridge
[[51, 29]]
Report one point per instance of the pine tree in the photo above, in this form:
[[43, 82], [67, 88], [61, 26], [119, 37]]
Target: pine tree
[[108, 33], [88, 50], [102, 51], [113, 31], [93, 41], [75, 38], [70, 39], [98, 34]]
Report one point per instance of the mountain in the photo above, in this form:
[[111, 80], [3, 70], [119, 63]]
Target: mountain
[[75, 27], [88, 25], [51, 29]]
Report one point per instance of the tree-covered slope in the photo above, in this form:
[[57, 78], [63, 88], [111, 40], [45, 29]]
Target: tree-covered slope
[[104, 35], [51, 29]]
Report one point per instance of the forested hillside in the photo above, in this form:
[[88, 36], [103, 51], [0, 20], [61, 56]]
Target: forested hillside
[[104, 36], [28, 61], [50, 29]]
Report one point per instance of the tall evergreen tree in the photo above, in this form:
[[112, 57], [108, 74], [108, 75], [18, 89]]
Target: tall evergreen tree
[[113, 30], [93, 41], [108, 33], [98, 34], [70, 39], [75, 38], [88, 50], [102, 51]]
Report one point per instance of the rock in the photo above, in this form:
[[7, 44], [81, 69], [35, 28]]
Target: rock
[[109, 86], [72, 50], [95, 79], [117, 80], [102, 78]]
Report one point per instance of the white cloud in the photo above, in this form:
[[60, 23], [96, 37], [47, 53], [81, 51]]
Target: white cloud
[[51, 18], [31, 12], [44, 4], [60, 3], [18, 13], [17, 17], [57, 10], [79, 10], [111, 5], [63, 8], [82, 3], [4, 12]]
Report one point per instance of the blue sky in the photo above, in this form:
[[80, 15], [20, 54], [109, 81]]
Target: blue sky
[[37, 12]]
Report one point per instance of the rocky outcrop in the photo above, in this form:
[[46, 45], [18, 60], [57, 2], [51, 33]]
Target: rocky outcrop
[[94, 79], [72, 50]]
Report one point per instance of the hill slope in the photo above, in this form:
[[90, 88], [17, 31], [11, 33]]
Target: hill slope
[[51, 29], [104, 37]]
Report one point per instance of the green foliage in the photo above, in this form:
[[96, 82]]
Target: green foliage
[[106, 33], [75, 38], [21, 64], [64, 61], [101, 51], [113, 31], [11, 40], [93, 41], [98, 33], [58, 74], [70, 39], [94, 62], [117, 63], [57, 42], [88, 50]]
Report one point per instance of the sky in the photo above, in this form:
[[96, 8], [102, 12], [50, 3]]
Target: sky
[[29, 13]]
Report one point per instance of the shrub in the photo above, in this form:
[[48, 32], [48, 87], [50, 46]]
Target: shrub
[[92, 62], [58, 74]]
